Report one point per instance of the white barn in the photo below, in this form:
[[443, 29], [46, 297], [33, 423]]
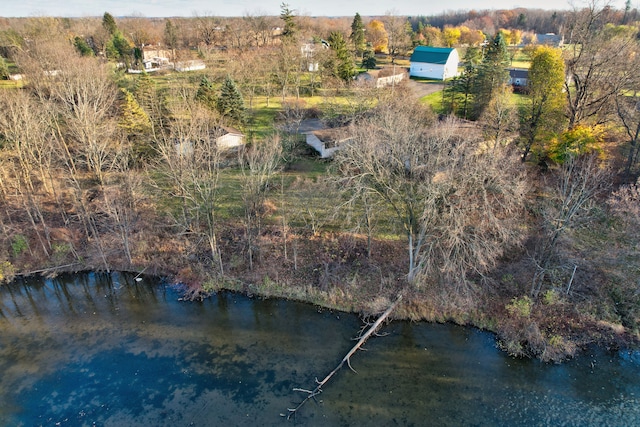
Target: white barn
[[439, 63]]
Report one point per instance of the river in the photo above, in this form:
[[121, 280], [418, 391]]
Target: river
[[109, 350]]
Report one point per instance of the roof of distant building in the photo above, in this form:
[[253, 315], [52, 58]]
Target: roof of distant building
[[518, 73], [431, 55]]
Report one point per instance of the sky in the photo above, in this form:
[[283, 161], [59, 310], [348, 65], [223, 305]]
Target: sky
[[168, 8]]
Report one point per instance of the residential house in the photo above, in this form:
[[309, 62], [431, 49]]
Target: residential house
[[153, 59], [550, 39], [439, 63], [153, 53], [518, 77], [308, 51]]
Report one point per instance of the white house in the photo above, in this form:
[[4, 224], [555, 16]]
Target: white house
[[439, 63]]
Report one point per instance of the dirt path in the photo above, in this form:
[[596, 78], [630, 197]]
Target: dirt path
[[421, 89]]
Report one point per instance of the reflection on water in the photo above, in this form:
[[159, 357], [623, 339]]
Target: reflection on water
[[97, 349]]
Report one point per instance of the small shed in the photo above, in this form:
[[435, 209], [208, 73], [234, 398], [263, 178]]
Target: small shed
[[439, 63], [327, 141], [382, 78], [229, 138]]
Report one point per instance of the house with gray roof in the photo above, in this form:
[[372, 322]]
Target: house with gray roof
[[518, 77], [439, 63], [550, 39]]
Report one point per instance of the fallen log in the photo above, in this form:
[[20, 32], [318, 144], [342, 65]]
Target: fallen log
[[311, 394]]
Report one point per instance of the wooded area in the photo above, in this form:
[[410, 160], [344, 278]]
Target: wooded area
[[512, 209]]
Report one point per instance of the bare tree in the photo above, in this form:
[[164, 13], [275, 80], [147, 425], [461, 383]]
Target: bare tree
[[500, 117], [86, 97], [208, 30], [189, 168], [598, 62], [122, 193], [258, 163], [399, 35], [578, 182], [260, 27], [628, 110], [457, 204], [79, 96], [288, 68], [25, 127]]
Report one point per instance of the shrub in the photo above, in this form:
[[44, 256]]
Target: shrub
[[7, 271], [520, 307], [577, 141], [19, 245], [551, 297]]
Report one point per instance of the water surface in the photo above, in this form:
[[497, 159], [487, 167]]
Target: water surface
[[108, 350]]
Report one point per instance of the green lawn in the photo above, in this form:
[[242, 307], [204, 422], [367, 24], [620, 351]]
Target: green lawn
[[434, 100]]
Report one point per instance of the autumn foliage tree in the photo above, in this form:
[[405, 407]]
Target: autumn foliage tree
[[377, 35], [542, 116]]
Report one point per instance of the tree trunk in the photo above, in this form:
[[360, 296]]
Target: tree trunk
[[311, 394]]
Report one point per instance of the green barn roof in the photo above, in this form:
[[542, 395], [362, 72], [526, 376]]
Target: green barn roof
[[431, 55]]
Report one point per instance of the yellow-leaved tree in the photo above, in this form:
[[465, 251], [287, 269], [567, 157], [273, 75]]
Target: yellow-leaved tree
[[377, 36]]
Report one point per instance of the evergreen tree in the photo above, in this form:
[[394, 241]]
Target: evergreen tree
[[344, 67], [206, 94], [109, 23], [458, 93], [134, 119], [230, 103], [153, 102], [82, 46], [289, 31], [492, 73], [119, 48], [357, 35], [369, 60], [135, 123], [171, 36]]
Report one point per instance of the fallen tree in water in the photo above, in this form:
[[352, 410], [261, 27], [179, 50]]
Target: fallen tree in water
[[311, 394]]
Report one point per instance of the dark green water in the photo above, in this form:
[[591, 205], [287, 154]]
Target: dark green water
[[107, 350]]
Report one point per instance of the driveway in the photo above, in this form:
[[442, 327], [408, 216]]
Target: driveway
[[422, 88]]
